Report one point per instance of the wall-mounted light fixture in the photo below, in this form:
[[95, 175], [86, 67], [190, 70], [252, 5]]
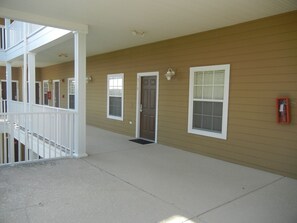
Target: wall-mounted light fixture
[[170, 73], [50, 81], [138, 33], [88, 79]]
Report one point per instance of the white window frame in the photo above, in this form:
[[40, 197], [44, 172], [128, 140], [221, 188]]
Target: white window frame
[[54, 93], [223, 134], [110, 76]]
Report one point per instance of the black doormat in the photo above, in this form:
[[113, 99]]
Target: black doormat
[[141, 141]]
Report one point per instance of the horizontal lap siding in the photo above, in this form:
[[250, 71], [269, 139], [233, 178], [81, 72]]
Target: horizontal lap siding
[[263, 62], [16, 75], [58, 72], [263, 59]]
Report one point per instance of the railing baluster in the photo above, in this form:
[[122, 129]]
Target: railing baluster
[[50, 134], [26, 138], [67, 142], [72, 133], [11, 140], [37, 135], [55, 132], [5, 148], [43, 129], [5, 139], [19, 139], [31, 122], [60, 135]]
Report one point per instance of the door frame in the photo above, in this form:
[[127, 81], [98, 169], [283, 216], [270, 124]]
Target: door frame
[[138, 98], [54, 93]]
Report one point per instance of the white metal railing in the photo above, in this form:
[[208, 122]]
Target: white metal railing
[[2, 37], [34, 136]]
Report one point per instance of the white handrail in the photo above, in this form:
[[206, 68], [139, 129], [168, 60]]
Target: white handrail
[[36, 135]]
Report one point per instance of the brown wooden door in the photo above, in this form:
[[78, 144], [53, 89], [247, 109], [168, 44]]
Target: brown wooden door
[[148, 107], [37, 93], [3, 89], [14, 88]]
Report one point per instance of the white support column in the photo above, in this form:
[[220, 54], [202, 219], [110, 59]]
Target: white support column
[[24, 83], [1, 148], [8, 85], [80, 93], [31, 78], [25, 92]]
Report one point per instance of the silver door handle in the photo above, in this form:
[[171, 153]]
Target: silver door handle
[[140, 108]]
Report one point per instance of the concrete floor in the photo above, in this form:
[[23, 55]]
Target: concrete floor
[[124, 182]]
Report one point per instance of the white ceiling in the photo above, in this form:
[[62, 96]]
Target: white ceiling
[[111, 22]]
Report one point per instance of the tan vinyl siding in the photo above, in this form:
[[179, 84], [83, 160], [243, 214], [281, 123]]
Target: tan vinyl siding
[[263, 59], [58, 72], [16, 76]]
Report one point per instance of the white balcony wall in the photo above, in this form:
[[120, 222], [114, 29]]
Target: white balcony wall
[[33, 28], [40, 38], [16, 33]]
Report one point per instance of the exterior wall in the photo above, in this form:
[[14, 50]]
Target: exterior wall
[[263, 59], [58, 72], [16, 75]]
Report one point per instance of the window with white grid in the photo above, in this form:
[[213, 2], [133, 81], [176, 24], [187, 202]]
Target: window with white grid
[[115, 93], [208, 100]]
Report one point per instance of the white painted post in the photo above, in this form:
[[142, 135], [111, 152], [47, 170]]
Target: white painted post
[[80, 93], [1, 147], [25, 92], [31, 78], [11, 155], [8, 86]]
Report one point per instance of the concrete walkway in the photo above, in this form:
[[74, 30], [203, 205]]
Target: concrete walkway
[[124, 182]]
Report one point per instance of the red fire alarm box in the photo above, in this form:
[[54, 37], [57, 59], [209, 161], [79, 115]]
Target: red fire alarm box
[[283, 110], [49, 95]]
